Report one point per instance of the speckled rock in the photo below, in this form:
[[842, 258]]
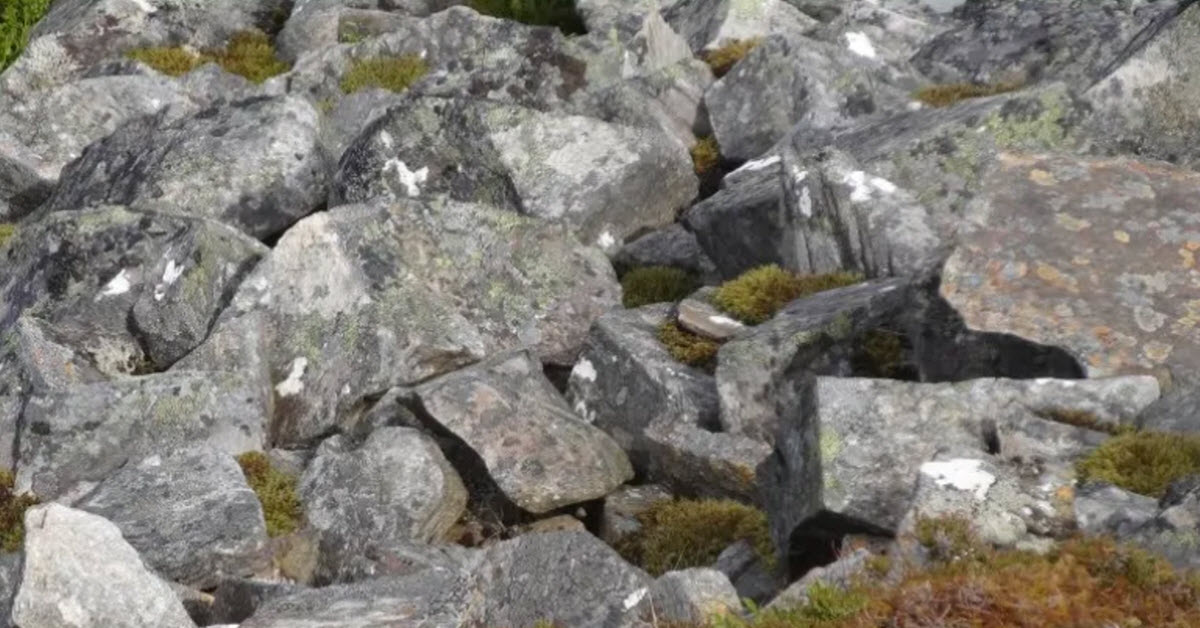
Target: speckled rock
[[672, 245], [540, 454], [896, 29], [839, 574], [1094, 256], [698, 315], [1103, 509], [318, 24], [709, 24], [1174, 531], [691, 595], [368, 297], [637, 31], [622, 507]]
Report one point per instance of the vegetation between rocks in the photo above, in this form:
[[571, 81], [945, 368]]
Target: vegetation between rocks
[[391, 73], [879, 353], [706, 155], [12, 513], [759, 293], [688, 348], [17, 19], [685, 533], [655, 284], [249, 54], [7, 231], [275, 489], [949, 94], [1143, 462], [560, 14], [722, 59]]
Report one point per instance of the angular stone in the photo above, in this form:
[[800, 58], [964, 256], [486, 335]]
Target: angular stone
[[672, 245], [840, 574], [1106, 510], [1172, 533], [236, 599], [750, 576], [189, 514], [319, 24], [709, 24], [699, 316], [78, 571], [10, 579], [622, 507], [1115, 298], [539, 453], [692, 595]]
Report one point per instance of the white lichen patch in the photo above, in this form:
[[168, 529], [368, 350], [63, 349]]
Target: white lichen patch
[[171, 274], [293, 384], [864, 186], [963, 474], [117, 285], [606, 241], [725, 320], [861, 45], [145, 6], [635, 598], [806, 203], [406, 178], [584, 370], [759, 164]]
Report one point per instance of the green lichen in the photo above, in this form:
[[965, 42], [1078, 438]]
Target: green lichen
[[1143, 462], [276, 491], [722, 59], [249, 54], [688, 348], [17, 19], [1041, 131], [391, 73], [655, 284], [7, 231], [756, 295], [680, 534], [12, 513], [557, 13]]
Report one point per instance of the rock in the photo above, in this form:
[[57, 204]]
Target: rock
[[396, 486], [698, 315], [751, 578], [709, 24], [557, 523], [1110, 299], [799, 80], [117, 290], [10, 579], [10, 413], [619, 517], [72, 439], [672, 245], [254, 164], [189, 514], [839, 574], [78, 571], [1177, 411], [1141, 106], [636, 32], [318, 24], [236, 599], [540, 454], [896, 30], [605, 181], [692, 595], [365, 298], [1106, 510], [1173, 531]]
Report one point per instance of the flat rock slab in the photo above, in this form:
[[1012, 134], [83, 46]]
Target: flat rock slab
[[1096, 256]]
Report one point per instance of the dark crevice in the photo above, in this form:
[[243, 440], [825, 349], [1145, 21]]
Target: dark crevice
[[817, 541]]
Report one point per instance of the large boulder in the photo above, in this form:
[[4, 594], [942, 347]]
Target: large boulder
[[540, 454], [365, 298], [709, 24], [189, 513], [318, 24], [78, 571], [1096, 256], [255, 164]]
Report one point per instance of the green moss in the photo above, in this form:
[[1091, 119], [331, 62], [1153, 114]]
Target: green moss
[[12, 514], [879, 353], [724, 58], [276, 491], [948, 94], [756, 295], [558, 13], [655, 284], [688, 348], [706, 155], [249, 54], [1143, 462], [391, 73], [17, 19], [948, 539], [7, 231], [679, 534], [172, 61]]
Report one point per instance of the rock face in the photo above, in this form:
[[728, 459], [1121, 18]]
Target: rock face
[[1115, 297], [80, 572]]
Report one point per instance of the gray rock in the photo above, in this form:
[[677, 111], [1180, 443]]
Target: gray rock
[[10, 414], [605, 181], [1177, 411], [318, 24], [710, 24], [1172, 533], [1103, 509], [73, 439], [635, 31], [254, 164], [692, 595], [894, 29], [540, 454], [365, 298], [698, 315], [78, 571], [1116, 313], [188, 513], [10, 579], [619, 517], [672, 245], [396, 486], [839, 574], [236, 599], [752, 579], [388, 557]]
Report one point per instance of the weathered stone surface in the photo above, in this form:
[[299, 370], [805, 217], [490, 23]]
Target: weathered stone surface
[[672, 245], [709, 24], [10, 579], [636, 31], [236, 599], [72, 439], [319, 24], [1095, 256], [1177, 411], [365, 298], [540, 454], [254, 164], [1103, 509], [188, 513], [751, 577], [396, 486], [894, 29], [691, 595], [1173, 531], [78, 571], [10, 414], [622, 507], [605, 181], [840, 574], [698, 315]]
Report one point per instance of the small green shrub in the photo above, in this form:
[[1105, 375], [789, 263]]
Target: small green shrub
[[17, 19], [7, 231], [946, 95], [391, 73], [249, 54], [706, 155], [724, 58], [756, 295], [12, 514], [275, 489], [688, 348], [655, 284], [558, 13], [679, 534], [1143, 462]]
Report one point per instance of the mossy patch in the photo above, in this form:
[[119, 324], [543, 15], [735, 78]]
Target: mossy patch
[[722, 59], [17, 19], [1143, 462], [249, 54], [949, 94], [12, 514], [560, 14], [1082, 418], [680, 534], [655, 284], [275, 489], [172, 60], [880, 353], [688, 348], [706, 155], [7, 231], [756, 295], [391, 73]]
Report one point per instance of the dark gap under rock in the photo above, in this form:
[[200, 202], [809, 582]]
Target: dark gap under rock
[[818, 541]]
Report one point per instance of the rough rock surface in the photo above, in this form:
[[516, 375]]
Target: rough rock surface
[[692, 595]]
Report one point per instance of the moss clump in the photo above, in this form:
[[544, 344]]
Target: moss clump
[[679, 534], [391, 73], [688, 348], [7, 231], [12, 514], [275, 489], [879, 353], [1143, 462], [557, 13], [1083, 418], [706, 155], [249, 54], [946, 95], [756, 295], [655, 284], [17, 19], [724, 58]]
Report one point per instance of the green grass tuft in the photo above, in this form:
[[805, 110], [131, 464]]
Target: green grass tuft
[[724, 58], [276, 491], [706, 155], [679, 534], [1143, 462], [756, 295], [17, 19], [172, 60], [558, 13], [688, 348], [391, 73], [655, 284], [946, 95], [249, 54], [12, 514]]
